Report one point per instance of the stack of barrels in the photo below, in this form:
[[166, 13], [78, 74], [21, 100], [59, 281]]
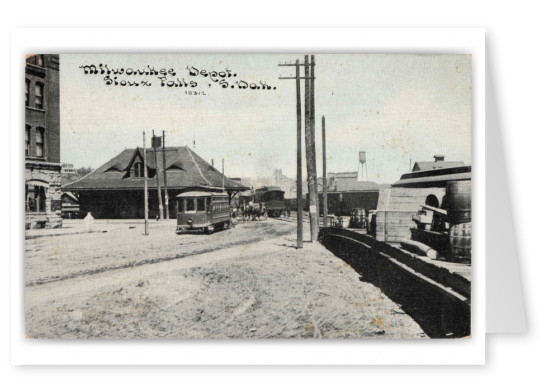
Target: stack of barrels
[[458, 205], [357, 220]]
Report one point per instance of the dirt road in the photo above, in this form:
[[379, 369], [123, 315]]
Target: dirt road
[[247, 282]]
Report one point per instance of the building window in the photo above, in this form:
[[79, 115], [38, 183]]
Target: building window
[[40, 142], [137, 170], [27, 140], [39, 96], [35, 197], [27, 89]]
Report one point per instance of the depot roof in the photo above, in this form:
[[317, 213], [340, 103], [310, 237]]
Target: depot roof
[[184, 169]]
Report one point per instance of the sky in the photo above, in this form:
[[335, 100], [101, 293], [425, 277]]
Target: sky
[[397, 108]]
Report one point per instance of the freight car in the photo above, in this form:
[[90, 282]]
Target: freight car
[[273, 199], [202, 211]]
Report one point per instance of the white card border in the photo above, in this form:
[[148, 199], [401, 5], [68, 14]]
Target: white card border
[[245, 40]]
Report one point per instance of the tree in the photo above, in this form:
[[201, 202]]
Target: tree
[[84, 170]]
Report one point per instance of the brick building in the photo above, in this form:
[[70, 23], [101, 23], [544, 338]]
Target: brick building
[[42, 144]]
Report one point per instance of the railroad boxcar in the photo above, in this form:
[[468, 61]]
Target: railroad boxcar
[[273, 199], [202, 211]]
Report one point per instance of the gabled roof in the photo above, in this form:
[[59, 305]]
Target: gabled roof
[[185, 169], [423, 166]]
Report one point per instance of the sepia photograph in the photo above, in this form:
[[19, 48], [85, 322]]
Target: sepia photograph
[[248, 196]]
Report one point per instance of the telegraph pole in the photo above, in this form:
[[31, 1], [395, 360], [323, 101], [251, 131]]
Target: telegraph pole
[[324, 171], [154, 141], [164, 174], [146, 207], [297, 78]]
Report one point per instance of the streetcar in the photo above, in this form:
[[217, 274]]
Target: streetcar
[[202, 211], [272, 198]]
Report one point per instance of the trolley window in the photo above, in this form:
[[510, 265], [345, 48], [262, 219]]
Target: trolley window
[[190, 204], [180, 205], [201, 205]]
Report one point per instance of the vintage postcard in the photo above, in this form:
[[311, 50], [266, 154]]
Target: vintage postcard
[[248, 196]]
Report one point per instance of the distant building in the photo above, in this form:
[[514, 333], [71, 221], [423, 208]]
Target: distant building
[[116, 189], [42, 165], [67, 168], [348, 181], [436, 164], [288, 185]]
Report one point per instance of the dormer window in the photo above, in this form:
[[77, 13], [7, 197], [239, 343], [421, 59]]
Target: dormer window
[[137, 170]]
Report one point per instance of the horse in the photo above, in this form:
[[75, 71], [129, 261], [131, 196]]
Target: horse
[[247, 212]]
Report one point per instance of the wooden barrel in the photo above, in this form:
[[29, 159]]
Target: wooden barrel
[[361, 217], [460, 242], [458, 201]]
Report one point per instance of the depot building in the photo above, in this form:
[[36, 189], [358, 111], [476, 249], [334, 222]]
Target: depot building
[[116, 189]]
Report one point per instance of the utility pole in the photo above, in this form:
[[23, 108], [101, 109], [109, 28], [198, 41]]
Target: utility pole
[[155, 141], [310, 154], [313, 134], [223, 177], [299, 162], [297, 78], [146, 207], [324, 171], [167, 214]]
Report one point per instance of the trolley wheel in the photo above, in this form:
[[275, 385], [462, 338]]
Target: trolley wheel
[[210, 229]]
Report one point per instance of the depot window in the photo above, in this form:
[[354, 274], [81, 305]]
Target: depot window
[[137, 170]]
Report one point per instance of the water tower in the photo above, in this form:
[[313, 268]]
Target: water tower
[[362, 168]]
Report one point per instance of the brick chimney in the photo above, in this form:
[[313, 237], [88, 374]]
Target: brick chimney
[[438, 158]]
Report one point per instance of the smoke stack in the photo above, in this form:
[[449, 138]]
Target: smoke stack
[[438, 158]]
